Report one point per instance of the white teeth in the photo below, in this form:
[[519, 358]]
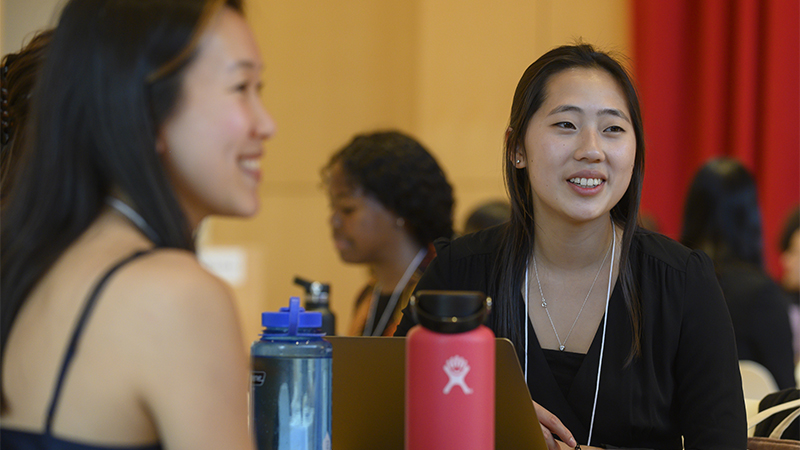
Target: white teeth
[[586, 182], [250, 164]]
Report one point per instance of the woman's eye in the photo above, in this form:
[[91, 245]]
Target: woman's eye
[[565, 125], [615, 129]]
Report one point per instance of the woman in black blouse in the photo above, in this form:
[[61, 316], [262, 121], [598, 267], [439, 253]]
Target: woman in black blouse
[[623, 334]]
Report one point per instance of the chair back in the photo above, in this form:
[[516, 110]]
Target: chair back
[[757, 381]]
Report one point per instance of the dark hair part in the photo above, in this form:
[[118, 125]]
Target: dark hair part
[[18, 73], [721, 215], [399, 172], [101, 96], [791, 225], [517, 244]]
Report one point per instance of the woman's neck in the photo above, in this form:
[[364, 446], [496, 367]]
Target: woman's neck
[[390, 270], [573, 247]]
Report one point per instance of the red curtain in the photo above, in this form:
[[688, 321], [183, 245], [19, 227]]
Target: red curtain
[[719, 77]]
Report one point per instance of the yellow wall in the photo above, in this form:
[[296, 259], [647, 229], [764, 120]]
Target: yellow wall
[[442, 70]]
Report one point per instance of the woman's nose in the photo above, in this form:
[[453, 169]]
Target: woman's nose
[[264, 124], [590, 148]]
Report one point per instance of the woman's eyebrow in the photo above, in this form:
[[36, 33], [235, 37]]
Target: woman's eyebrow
[[603, 112]]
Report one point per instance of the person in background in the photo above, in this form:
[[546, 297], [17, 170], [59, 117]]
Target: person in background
[[790, 275], [790, 255], [145, 118], [487, 215], [616, 327], [389, 200], [18, 73], [722, 218]]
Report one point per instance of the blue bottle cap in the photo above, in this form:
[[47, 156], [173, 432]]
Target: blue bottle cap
[[292, 318]]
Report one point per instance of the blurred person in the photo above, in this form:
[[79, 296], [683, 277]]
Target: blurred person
[[18, 73], [389, 200], [723, 219], [790, 256], [790, 275], [487, 214], [615, 326], [145, 118]]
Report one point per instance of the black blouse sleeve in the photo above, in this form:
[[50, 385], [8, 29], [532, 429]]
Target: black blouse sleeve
[[710, 402]]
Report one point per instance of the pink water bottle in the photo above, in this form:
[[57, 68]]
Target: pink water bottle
[[450, 373]]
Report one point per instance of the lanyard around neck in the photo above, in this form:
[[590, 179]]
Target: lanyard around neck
[[376, 330], [602, 342]]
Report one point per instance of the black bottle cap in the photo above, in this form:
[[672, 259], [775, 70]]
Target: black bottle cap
[[450, 311]]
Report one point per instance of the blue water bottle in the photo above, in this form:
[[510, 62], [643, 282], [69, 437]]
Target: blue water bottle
[[291, 383]]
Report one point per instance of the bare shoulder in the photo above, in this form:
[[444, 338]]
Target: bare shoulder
[[178, 268], [169, 287], [184, 350], [174, 274]]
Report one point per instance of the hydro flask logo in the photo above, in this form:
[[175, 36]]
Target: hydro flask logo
[[258, 378], [456, 369]]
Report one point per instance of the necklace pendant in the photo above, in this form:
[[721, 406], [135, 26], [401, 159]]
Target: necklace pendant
[[561, 348], [544, 304]]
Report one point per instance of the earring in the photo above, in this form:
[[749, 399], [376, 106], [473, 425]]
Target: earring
[[400, 222], [517, 161]]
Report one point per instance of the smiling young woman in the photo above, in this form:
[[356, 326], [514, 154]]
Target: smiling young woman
[[615, 326], [145, 119]]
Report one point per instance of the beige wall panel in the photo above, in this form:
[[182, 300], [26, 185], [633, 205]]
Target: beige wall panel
[[332, 69], [603, 23], [471, 56]]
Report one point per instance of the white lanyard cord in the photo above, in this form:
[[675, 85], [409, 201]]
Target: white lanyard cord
[[603, 340], [527, 288], [398, 289]]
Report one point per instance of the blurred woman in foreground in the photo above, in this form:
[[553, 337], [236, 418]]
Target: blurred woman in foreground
[[146, 119]]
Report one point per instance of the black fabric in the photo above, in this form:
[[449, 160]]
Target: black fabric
[[21, 440], [764, 428], [760, 314], [685, 383], [565, 366], [18, 439]]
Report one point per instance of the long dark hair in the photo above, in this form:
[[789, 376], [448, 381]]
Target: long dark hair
[[721, 215], [517, 243], [111, 76]]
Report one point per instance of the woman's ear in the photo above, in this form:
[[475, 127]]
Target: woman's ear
[[518, 156]]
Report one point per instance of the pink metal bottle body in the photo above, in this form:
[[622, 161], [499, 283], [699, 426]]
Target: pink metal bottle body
[[450, 389]]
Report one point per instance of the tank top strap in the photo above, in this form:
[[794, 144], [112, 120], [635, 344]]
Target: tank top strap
[[76, 333]]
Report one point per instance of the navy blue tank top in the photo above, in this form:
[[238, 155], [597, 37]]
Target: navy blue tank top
[[18, 440]]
